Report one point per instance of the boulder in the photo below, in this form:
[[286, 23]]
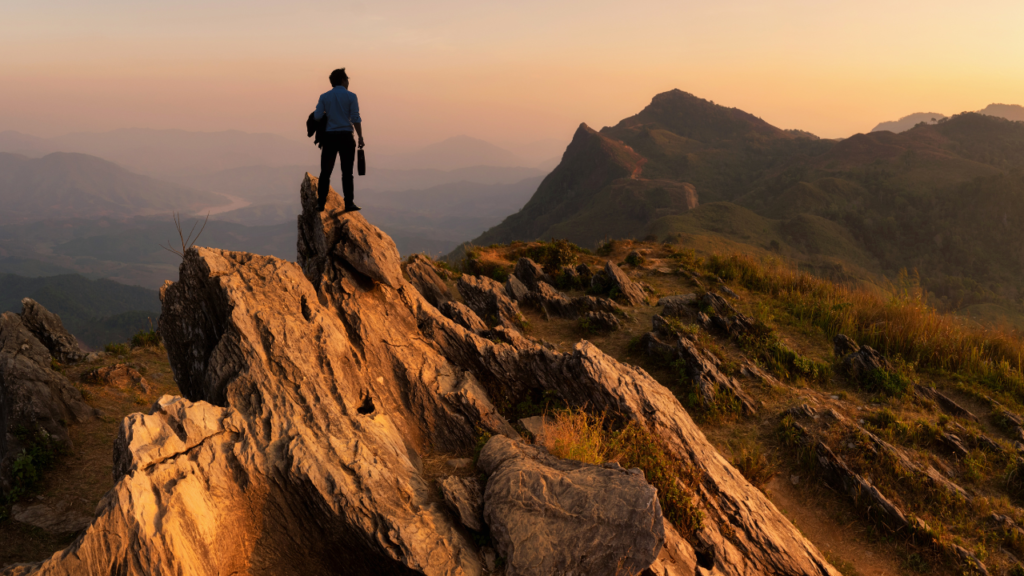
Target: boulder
[[515, 289], [119, 375], [425, 278], [551, 516], [465, 496], [57, 519], [49, 330], [528, 272], [462, 315], [602, 321], [678, 305], [553, 302], [37, 403], [630, 291]]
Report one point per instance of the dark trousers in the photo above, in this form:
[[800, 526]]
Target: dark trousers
[[336, 144]]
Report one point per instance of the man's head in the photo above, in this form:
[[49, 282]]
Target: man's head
[[339, 78]]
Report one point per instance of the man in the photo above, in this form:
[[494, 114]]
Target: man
[[342, 110]]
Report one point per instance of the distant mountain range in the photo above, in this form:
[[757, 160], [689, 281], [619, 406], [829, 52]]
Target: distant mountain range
[[63, 185], [944, 199], [170, 154], [1012, 112], [908, 122], [97, 312]]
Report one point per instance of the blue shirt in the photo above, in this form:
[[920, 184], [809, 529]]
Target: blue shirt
[[342, 108]]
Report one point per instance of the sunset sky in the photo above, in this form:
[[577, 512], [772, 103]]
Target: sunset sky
[[508, 72]]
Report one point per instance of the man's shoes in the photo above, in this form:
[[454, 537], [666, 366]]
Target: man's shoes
[[351, 208], [321, 207]]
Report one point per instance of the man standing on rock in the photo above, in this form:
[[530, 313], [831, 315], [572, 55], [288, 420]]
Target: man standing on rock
[[342, 110]]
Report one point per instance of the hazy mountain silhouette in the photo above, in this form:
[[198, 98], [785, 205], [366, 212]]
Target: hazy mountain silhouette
[[909, 121], [63, 185], [1013, 112], [273, 184]]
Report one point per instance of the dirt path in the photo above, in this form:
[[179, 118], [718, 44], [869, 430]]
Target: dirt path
[[844, 546]]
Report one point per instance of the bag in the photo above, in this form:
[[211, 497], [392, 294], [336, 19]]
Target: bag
[[361, 162]]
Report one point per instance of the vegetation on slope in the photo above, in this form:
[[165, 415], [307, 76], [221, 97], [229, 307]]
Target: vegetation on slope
[[886, 427]]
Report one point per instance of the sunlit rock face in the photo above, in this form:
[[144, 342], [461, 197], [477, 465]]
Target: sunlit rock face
[[319, 397]]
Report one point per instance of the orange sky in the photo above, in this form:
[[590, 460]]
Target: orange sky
[[508, 72]]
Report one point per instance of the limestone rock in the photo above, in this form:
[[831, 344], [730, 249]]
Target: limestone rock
[[550, 516], [57, 519], [545, 297], [679, 305], [602, 321], [424, 277], [119, 375], [465, 497], [717, 303], [462, 315], [528, 272], [34, 399], [859, 361], [487, 298], [701, 368], [515, 289], [49, 330], [534, 425], [629, 290]]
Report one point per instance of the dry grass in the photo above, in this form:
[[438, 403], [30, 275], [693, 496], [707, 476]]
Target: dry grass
[[576, 435], [896, 322]]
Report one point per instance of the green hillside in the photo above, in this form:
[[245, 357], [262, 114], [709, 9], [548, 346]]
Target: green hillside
[[944, 199], [95, 311]]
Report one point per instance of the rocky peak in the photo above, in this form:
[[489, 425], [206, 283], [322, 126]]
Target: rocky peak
[[322, 401]]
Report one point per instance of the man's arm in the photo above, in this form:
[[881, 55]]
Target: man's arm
[[355, 119], [359, 130]]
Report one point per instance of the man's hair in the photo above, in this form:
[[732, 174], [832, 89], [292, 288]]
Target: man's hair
[[338, 76]]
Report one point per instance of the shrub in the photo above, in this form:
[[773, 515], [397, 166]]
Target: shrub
[[634, 259], [40, 454], [145, 338], [755, 466], [117, 349]]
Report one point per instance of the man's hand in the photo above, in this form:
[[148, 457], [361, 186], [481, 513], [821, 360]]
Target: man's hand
[[361, 142]]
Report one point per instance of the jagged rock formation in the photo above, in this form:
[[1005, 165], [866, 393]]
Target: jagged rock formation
[[425, 278], [315, 395], [36, 402], [47, 327], [701, 368]]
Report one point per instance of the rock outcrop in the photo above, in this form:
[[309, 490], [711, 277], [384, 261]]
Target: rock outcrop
[[617, 280], [36, 402], [550, 516], [49, 330], [425, 278], [119, 375], [317, 394]]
